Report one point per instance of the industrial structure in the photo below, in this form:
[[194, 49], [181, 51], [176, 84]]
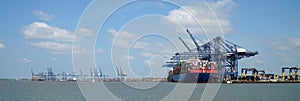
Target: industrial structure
[[291, 76], [95, 75], [217, 61], [213, 61], [223, 53]]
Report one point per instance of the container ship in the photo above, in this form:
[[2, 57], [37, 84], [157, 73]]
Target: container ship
[[193, 70]]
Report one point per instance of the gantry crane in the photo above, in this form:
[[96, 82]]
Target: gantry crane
[[290, 76]]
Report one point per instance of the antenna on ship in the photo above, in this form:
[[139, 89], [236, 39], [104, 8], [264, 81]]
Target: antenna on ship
[[81, 75], [96, 74], [32, 74], [118, 71], [100, 73], [92, 74], [120, 74]]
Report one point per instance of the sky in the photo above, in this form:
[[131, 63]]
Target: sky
[[139, 36]]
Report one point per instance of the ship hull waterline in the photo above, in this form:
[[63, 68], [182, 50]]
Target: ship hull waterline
[[194, 78]]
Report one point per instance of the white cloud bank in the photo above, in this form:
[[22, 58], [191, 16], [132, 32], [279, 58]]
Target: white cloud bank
[[53, 39], [54, 47], [41, 30], [212, 15]]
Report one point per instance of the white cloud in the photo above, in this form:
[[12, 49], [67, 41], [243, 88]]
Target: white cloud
[[122, 38], [2, 46], [41, 30], [283, 45], [258, 61], [283, 48], [122, 34], [141, 45], [43, 16], [284, 56], [146, 54], [54, 47], [53, 39], [128, 57], [149, 62], [63, 48], [80, 51], [84, 32], [121, 43], [187, 16], [98, 50], [25, 60], [54, 59], [295, 41]]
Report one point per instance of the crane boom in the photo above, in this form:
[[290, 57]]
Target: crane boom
[[187, 47], [195, 42]]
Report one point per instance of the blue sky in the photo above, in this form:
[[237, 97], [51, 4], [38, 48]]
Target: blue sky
[[141, 35]]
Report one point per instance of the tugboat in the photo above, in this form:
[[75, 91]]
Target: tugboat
[[194, 71]]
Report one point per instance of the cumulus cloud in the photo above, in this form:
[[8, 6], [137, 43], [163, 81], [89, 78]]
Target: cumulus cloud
[[212, 15], [54, 47], [25, 60], [43, 16], [53, 39], [41, 30], [2, 46]]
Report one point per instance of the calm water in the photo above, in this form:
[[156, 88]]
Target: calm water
[[69, 91]]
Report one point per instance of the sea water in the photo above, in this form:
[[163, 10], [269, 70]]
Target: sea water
[[11, 90]]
